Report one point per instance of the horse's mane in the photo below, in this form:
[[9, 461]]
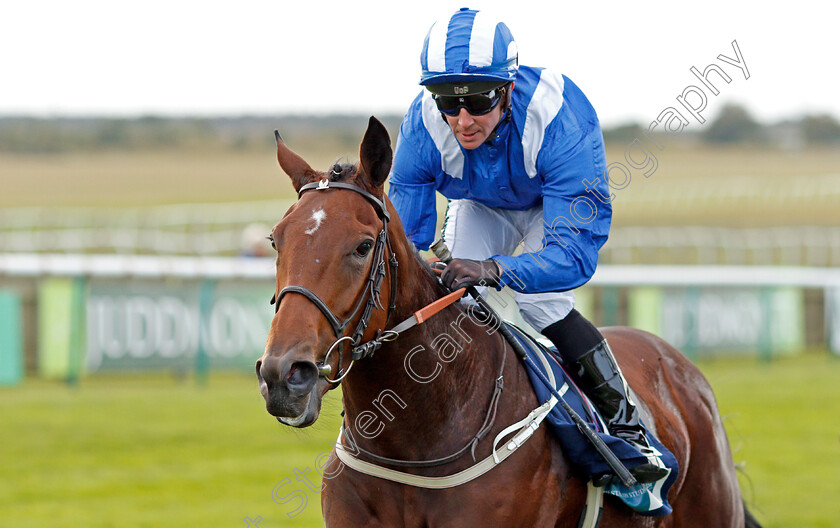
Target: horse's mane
[[423, 264]]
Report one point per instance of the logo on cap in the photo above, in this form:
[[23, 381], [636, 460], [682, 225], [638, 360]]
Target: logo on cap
[[461, 90]]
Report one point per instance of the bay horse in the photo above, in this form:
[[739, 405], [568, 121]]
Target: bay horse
[[346, 273]]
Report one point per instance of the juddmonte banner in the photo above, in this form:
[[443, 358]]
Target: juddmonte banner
[[700, 321], [100, 325], [159, 325], [708, 320]]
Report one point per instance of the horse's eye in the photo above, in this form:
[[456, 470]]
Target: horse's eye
[[271, 239], [364, 248]]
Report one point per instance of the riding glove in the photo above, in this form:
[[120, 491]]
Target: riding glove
[[461, 273]]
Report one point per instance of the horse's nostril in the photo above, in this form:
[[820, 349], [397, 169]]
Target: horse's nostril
[[263, 379], [302, 376], [294, 375]]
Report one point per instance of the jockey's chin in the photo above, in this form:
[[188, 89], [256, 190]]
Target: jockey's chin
[[472, 131]]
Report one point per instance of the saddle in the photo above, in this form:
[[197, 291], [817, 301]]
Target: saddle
[[647, 499]]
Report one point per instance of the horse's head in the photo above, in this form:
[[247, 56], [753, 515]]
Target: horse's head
[[331, 246]]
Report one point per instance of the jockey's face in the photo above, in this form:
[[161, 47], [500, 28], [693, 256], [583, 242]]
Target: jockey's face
[[471, 130]]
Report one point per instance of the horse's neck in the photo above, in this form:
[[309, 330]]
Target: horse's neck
[[434, 375]]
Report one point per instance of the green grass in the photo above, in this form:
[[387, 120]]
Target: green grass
[[150, 451], [692, 185], [154, 451], [783, 422], [153, 177], [730, 187], [141, 178]]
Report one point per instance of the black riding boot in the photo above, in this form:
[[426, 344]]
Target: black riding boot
[[587, 354], [605, 385]]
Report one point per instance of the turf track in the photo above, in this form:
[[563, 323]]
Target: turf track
[[152, 450]]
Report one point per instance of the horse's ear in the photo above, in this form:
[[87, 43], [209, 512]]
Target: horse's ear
[[298, 170], [376, 153]]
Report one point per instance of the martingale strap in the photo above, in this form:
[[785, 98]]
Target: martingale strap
[[486, 426], [522, 431]]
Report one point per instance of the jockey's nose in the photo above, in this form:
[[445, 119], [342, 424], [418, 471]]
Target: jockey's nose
[[465, 118]]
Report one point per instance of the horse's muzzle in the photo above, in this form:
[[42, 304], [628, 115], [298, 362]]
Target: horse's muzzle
[[288, 388]]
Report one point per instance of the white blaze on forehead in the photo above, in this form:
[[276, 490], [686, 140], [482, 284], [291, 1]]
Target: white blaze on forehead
[[318, 217]]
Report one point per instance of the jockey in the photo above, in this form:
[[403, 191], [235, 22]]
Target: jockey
[[519, 153]]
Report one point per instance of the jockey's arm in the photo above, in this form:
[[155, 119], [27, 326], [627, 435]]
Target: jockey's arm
[[412, 191], [576, 215]]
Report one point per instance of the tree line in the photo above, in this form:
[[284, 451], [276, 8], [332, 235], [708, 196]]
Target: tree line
[[734, 124]]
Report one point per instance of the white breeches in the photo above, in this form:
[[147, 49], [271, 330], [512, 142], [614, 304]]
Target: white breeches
[[475, 231]]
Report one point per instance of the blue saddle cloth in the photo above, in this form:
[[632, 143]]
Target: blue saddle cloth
[[647, 499]]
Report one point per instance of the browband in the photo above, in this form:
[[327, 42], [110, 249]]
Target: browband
[[325, 184]]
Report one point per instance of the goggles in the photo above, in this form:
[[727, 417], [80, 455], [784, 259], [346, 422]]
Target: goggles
[[476, 104]]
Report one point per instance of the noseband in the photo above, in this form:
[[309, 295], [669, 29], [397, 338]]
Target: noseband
[[371, 288]]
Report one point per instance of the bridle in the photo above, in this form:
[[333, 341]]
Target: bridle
[[371, 290], [371, 294]]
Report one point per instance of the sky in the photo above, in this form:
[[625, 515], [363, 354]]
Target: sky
[[207, 58]]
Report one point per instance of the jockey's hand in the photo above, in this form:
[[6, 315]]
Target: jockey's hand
[[461, 273]]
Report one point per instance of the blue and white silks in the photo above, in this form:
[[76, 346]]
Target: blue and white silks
[[548, 150]]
